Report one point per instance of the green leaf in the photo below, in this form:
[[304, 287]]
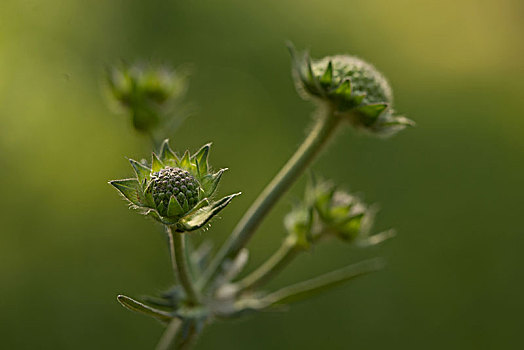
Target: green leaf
[[372, 111], [156, 164], [136, 306], [327, 78], [167, 155], [201, 159], [320, 284], [131, 190], [201, 217], [142, 172], [174, 208], [210, 182]]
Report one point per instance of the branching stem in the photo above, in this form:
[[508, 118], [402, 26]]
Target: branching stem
[[319, 135], [280, 259]]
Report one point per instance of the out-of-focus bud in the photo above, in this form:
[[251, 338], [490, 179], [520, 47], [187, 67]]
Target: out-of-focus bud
[[149, 94], [353, 88]]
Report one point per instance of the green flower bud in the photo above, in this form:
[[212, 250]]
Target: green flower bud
[[148, 93], [175, 191], [353, 88], [340, 213]]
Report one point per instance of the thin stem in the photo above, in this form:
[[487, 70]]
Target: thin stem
[[168, 337], [317, 138], [179, 335], [282, 257], [179, 261]]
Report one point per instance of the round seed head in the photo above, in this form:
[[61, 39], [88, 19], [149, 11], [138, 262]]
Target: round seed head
[[172, 181]]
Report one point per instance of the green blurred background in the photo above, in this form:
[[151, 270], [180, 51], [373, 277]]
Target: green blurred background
[[452, 187]]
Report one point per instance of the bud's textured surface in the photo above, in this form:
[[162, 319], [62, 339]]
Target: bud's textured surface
[[353, 88], [175, 191], [176, 182]]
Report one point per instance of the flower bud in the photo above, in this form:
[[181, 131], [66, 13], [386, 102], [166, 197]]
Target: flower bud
[[175, 191], [340, 213], [354, 89], [148, 93]]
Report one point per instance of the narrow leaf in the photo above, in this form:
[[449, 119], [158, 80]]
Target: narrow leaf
[[130, 189], [136, 306], [322, 283]]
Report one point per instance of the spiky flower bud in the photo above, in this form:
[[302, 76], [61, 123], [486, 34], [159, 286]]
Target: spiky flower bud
[[340, 213], [175, 191], [353, 88]]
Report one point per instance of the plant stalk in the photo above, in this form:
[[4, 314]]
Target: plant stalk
[[180, 267], [169, 335], [280, 259], [319, 135]]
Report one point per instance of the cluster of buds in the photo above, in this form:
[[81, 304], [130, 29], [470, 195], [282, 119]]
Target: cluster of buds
[[353, 88], [148, 93], [176, 191]]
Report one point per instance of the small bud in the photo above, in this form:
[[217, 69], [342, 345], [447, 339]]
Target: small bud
[[353, 88], [339, 212], [147, 93]]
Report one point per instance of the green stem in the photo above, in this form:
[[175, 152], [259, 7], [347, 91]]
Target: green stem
[[283, 256], [167, 339], [318, 137], [180, 267]]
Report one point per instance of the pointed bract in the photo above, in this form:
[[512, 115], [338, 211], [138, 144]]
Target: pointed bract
[[201, 159], [142, 172], [174, 208], [156, 163], [210, 182], [167, 156], [202, 216], [130, 189]]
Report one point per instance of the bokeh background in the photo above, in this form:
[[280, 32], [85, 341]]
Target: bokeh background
[[452, 187]]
